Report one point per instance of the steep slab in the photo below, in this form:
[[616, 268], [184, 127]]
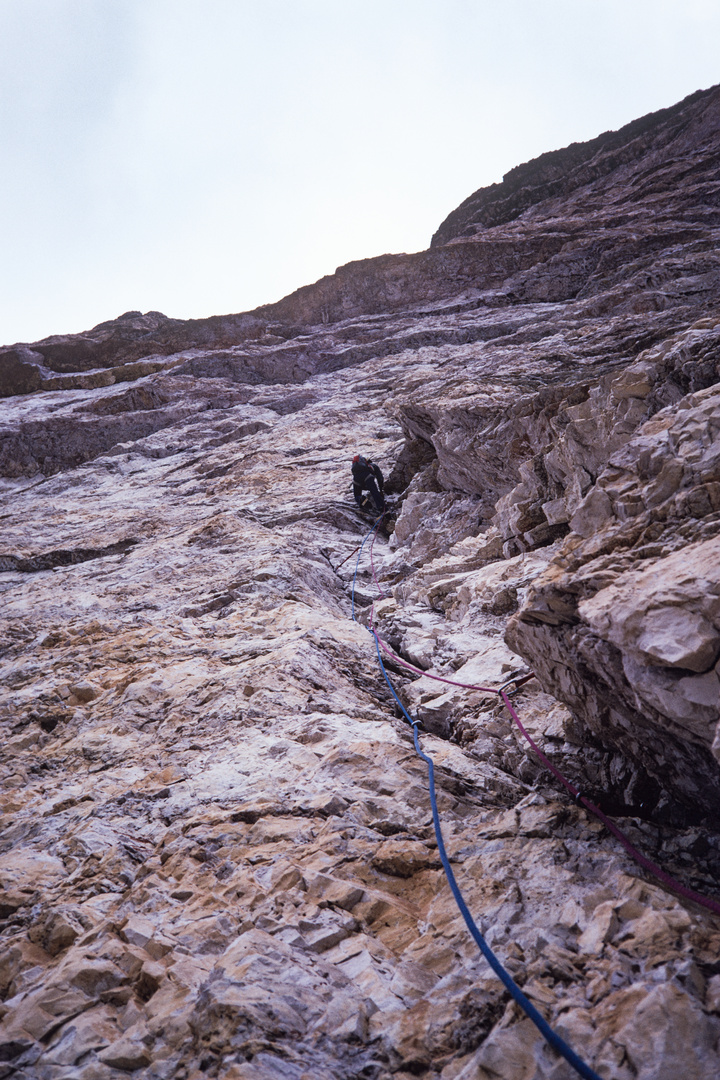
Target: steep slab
[[216, 850]]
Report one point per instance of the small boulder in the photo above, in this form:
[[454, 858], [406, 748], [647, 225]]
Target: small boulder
[[403, 858]]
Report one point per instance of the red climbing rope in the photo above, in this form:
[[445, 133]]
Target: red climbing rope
[[425, 674], [336, 568], [642, 860], [647, 864], [552, 1036]]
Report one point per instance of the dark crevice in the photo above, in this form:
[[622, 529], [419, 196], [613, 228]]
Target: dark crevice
[[63, 557]]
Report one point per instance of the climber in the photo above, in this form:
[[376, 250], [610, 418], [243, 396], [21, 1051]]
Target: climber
[[368, 485]]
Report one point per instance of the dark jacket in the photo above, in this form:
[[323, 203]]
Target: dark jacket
[[366, 475]]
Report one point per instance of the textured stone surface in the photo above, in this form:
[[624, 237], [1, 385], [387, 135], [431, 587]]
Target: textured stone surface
[[216, 850], [634, 595]]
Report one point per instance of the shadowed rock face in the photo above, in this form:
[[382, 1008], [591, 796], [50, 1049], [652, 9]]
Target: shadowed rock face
[[629, 607], [216, 853]]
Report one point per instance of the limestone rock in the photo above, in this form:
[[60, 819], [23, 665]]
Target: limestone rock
[[402, 858], [217, 854], [638, 595]]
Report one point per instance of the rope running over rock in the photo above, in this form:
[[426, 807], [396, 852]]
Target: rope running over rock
[[642, 860], [525, 1004]]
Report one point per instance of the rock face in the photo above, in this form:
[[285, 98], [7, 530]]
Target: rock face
[[635, 597], [216, 849]]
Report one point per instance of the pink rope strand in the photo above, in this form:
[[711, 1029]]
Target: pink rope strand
[[642, 860], [336, 568], [436, 678]]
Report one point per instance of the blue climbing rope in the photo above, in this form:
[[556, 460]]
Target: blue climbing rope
[[506, 979], [541, 1024]]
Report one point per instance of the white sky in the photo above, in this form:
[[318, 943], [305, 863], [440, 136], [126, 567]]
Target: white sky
[[200, 157]]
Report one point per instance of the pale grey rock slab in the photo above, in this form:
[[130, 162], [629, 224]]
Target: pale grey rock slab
[[200, 749]]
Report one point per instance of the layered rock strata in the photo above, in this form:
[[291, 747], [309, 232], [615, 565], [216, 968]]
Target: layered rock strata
[[216, 851]]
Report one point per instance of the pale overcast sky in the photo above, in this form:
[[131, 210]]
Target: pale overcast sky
[[201, 157]]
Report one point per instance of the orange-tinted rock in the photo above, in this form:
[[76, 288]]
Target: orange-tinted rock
[[216, 843]]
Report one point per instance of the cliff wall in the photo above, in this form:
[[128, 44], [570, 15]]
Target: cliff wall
[[216, 850]]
